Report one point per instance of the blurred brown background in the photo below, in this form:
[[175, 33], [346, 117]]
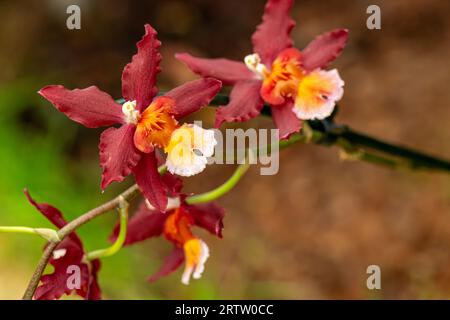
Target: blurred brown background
[[308, 232]]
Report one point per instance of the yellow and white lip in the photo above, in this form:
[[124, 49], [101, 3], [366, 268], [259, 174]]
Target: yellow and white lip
[[196, 253], [189, 149], [317, 94]]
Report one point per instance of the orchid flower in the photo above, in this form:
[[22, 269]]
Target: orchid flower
[[176, 226], [294, 83], [69, 253], [146, 122]]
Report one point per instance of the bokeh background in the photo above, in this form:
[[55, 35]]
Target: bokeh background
[[308, 232]]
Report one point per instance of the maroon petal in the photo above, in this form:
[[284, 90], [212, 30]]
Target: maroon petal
[[54, 285], [173, 184], [193, 95], [208, 216], [90, 106], [245, 103], [53, 214], [227, 71], [170, 264], [273, 35], [324, 49], [94, 291], [144, 224], [118, 155], [139, 76], [150, 182], [285, 120]]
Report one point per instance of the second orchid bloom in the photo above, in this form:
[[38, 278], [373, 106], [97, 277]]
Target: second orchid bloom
[[293, 82]]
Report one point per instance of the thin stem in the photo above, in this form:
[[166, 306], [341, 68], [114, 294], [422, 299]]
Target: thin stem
[[37, 274], [107, 252], [46, 233], [411, 158], [26, 230], [222, 189]]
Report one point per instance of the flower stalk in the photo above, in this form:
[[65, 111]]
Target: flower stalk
[[46, 233], [107, 252], [222, 189]]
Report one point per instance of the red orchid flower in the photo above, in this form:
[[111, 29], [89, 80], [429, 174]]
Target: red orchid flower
[[69, 253], [176, 224], [146, 122], [291, 81]]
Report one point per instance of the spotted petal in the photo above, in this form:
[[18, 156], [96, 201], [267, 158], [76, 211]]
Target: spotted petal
[[273, 35], [90, 106], [139, 76], [227, 71], [245, 103], [118, 155]]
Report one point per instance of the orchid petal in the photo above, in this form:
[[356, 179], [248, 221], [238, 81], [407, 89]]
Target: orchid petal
[[90, 106], [193, 95], [150, 182], [317, 95], [324, 49], [118, 155], [54, 285], [227, 71], [208, 216], [53, 214], [245, 103], [285, 120], [273, 34], [170, 264], [139, 76], [94, 291], [173, 184]]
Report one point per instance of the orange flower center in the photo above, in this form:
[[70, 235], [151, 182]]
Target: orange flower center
[[283, 80], [155, 125], [178, 227]]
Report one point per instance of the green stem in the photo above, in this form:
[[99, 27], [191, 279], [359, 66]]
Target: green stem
[[46, 233], [102, 253], [221, 190]]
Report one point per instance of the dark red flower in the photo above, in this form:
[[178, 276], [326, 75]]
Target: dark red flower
[[68, 257], [176, 225], [292, 82], [145, 122]]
